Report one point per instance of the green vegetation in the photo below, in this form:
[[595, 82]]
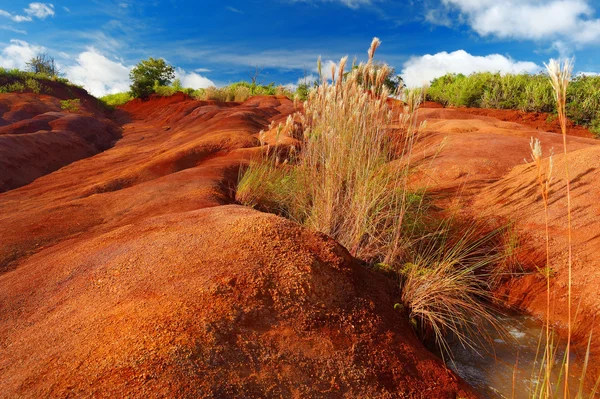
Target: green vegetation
[[17, 81], [73, 105], [114, 100], [150, 73], [349, 179], [43, 64], [34, 81], [530, 93], [241, 91]]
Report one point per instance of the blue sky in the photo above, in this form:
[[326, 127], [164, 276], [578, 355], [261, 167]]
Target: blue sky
[[217, 42]]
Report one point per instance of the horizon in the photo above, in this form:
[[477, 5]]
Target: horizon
[[96, 44]]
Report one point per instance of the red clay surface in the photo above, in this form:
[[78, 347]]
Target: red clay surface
[[37, 137], [537, 120], [478, 164], [130, 274]]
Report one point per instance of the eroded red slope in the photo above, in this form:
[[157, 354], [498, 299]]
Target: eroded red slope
[[483, 168], [128, 274], [38, 137]]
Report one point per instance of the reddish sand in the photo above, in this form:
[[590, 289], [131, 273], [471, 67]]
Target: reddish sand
[[37, 137], [128, 274], [482, 171], [537, 120]]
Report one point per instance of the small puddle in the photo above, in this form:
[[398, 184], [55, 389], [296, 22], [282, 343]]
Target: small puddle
[[511, 367]]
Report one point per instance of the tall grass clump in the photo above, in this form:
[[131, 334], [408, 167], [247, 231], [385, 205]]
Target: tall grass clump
[[346, 185], [559, 77], [544, 178], [348, 177], [447, 280]]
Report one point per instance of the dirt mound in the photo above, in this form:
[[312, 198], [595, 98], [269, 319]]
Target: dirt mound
[[126, 274], [38, 137], [516, 197], [459, 150], [479, 165], [220, 302]]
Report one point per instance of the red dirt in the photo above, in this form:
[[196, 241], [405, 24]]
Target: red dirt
[[482, 171], [537, 120], [128, 274], [37, 137]]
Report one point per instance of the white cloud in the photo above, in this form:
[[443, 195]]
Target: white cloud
[[17, 53], [34, 10], [98, 74], [40, 10], [308, 79], [571, 20], [419, 70], [201, 70], [21, 18], [326, 69], [192, 79]]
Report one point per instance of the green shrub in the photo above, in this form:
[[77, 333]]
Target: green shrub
[[15, 80], [148, 74], [16, 87], [72, 105], [525, 92], [114, 100], [33, 85]]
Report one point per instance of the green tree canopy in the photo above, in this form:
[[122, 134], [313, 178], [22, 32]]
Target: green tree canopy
[[148, 73]]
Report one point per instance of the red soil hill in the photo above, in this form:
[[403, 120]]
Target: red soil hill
[[128, 274]]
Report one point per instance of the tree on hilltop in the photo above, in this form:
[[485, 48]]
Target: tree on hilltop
[[148, 73], [44, 64]]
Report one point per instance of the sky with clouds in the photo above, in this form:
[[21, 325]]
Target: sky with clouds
[[216, 42]]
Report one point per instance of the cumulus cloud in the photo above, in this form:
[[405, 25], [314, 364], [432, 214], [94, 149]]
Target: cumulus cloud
[[419, 70], [571, 20], [17, 53], [192, 79], [98, 74], [34, 10], [101, 76]]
